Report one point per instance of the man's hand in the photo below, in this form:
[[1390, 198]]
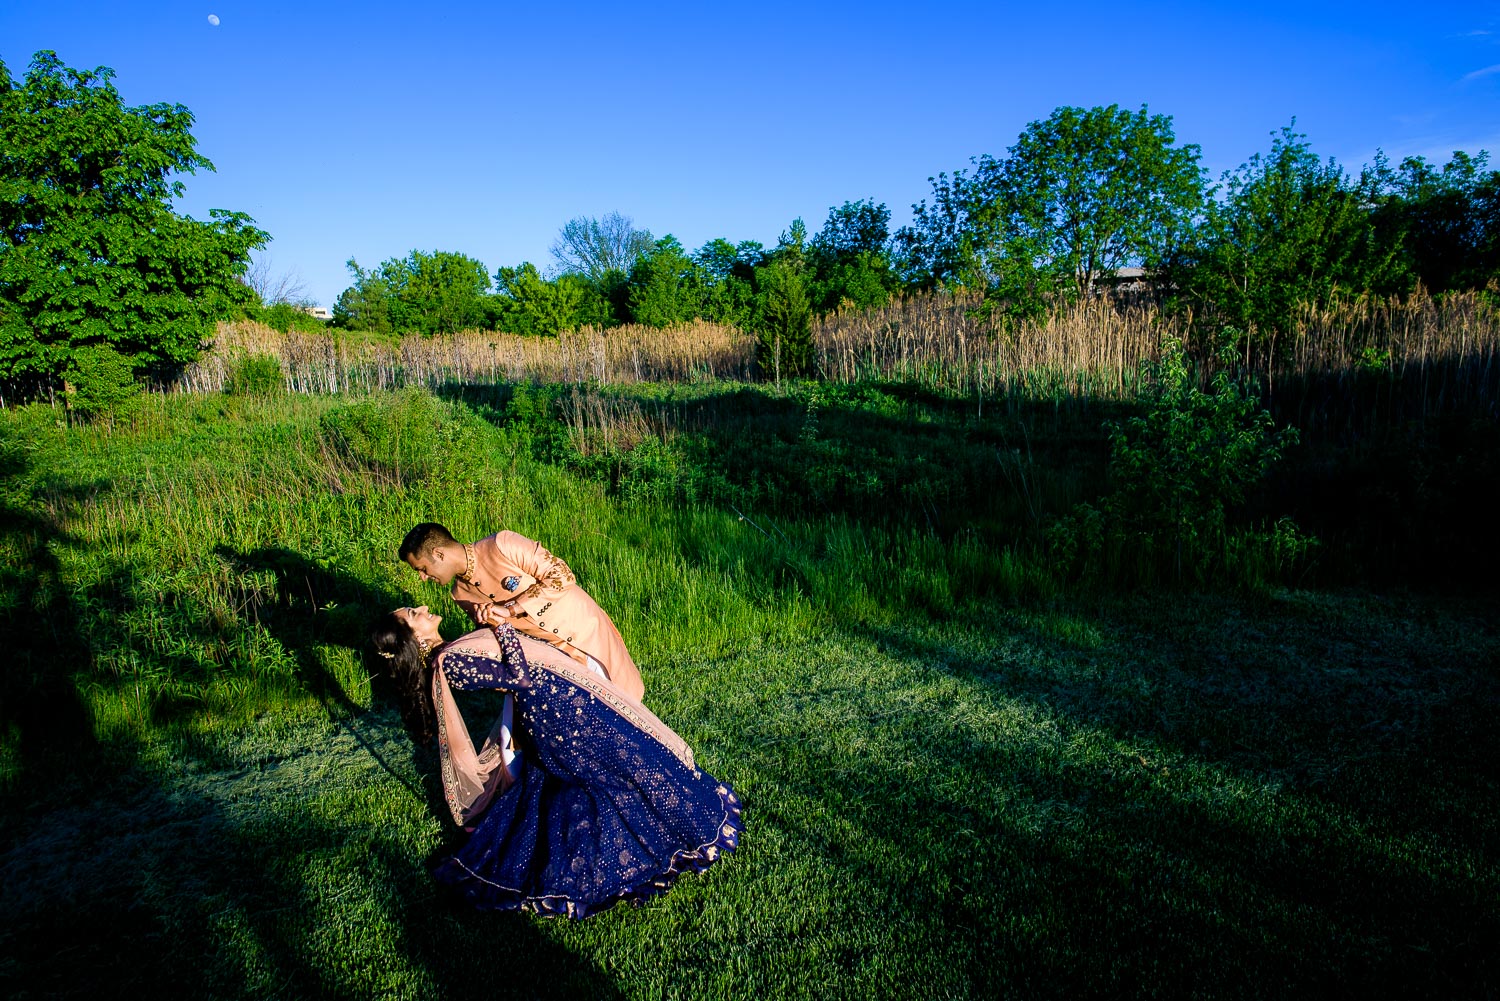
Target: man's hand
[[493, 615]]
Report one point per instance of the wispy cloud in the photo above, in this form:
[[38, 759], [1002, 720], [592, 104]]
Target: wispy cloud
[[1488, 70], [1476, 32]]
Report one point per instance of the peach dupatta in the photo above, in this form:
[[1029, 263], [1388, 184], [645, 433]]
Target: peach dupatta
[[471, 779]]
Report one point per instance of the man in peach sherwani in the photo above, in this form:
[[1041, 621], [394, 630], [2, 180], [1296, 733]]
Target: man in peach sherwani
[[509, 578]]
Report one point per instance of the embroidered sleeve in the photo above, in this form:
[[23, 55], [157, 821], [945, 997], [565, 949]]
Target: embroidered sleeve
[[468, 669], [551, 573]]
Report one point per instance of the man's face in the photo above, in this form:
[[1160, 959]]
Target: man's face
[[437, 564]]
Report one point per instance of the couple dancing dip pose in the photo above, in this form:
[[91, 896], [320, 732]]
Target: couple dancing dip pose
[[579, 797]]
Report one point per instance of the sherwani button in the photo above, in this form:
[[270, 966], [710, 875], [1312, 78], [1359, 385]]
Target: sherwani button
[[554, 630]]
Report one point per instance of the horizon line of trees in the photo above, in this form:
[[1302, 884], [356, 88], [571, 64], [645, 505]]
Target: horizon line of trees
[[102, 282], [1081, 194]]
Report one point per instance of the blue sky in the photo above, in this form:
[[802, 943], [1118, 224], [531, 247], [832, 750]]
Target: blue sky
[[371, 130]]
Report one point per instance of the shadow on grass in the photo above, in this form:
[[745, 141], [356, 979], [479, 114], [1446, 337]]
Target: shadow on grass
[[43, 716], [241, 883], [1150, 833], [122, 877], [883, 453]]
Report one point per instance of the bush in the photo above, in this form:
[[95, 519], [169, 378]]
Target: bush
[[410, 435], [101, 382], [285, 317], [256, 375], [1176, 473]]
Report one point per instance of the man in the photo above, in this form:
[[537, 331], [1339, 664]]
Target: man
[[509, 578]]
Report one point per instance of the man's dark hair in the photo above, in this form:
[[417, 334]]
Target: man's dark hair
[[424, 538]]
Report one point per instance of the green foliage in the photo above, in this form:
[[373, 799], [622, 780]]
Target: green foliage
[[409, 437], [287, 317], [101, 382], [1089, 190], [256, 375], [1206, 795], [1082, 193], [727, 271], [436, 293], [1177, 472], [91, 252], [783, 319], [529, 304], [666, 286], [1447, 221], [1289, 229], [850, 257]]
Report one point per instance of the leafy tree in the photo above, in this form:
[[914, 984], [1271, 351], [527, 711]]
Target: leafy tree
[[367, 304], [1088, 190], [1446, 220], [1289, 229], [783, 307], [533, 305], [594, 247], [727, 272], [92, 256], [665, 285], [850, 258], [436, 293], [1080, 194], [441, 292]]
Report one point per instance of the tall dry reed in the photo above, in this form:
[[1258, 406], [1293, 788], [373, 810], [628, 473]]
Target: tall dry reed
[[335, 361], [1391, 358], [949, 342]]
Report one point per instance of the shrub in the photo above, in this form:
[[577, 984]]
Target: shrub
[[256, 375], [101, 382], [410, 435], [1176, 472]]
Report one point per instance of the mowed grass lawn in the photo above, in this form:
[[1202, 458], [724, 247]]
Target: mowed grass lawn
[[1158, 795]]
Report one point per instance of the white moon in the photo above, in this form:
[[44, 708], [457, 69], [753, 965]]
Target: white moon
[[213, 19]]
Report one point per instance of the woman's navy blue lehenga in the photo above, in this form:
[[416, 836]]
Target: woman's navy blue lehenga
[[605, 804]]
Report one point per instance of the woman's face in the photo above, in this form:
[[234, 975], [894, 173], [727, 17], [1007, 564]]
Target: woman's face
[[424, 624]]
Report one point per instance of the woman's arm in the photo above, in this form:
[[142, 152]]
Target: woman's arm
[[468, 668]]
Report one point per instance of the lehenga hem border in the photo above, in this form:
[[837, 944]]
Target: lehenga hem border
[[697, 859]]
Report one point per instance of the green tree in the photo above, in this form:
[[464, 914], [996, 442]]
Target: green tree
[[850, 257], [1289, 229], [1088, 190], [1446, 220], [366, 304], [783, 307], [727, 271], [92, 255], [442, 292], [665, 285], [437, 293], [1080, 194], [533, 305]]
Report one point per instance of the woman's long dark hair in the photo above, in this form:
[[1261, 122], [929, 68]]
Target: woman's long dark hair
[[409, 671]]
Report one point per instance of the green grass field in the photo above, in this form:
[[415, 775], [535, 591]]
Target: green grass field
[[961, 779]]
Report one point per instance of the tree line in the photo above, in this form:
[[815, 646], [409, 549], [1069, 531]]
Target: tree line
[[101, 281]]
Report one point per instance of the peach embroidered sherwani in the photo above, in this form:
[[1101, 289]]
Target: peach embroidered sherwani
[[508, 567]]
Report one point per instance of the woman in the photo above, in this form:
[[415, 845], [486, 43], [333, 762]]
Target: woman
[[587, 800]]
